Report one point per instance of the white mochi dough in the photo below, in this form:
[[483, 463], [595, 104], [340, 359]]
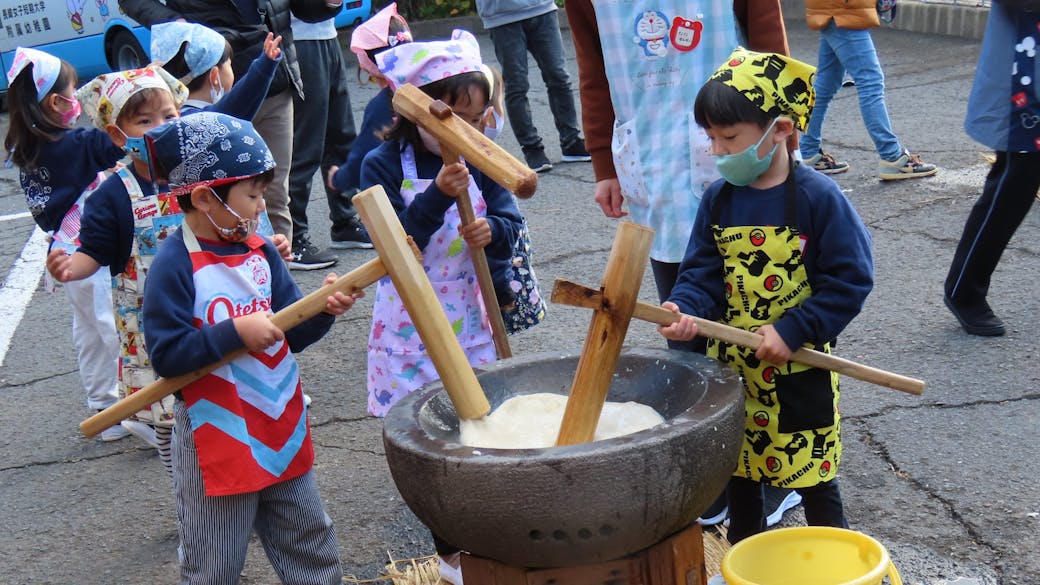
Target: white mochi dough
[[532, 421]]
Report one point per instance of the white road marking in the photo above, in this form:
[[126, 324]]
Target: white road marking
[[21, 282], [21, 215]]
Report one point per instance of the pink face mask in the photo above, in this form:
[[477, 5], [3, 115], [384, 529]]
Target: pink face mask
[[69, 118]]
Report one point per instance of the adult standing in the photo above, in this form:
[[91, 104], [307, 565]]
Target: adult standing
[[323, 133], [516, 28], [245, 24], [1003, 110]]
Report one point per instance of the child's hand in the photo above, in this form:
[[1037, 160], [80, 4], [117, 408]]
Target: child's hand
[[59, 264], [476, 234], [773, 349], [684, 329], [329, 175], [281, 243], [257, 331], [339, 303], [453, 179], [271, 48]]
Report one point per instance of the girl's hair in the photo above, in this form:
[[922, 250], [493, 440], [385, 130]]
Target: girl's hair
[[495, 99], [150, 96], [718, 104], [179, 68], [450, 90], [397, 25], [29, 125], [224, 191]]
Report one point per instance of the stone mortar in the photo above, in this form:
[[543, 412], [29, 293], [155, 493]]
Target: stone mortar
[[580, 504]]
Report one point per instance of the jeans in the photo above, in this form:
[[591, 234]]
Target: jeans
[[541, 36], [323, 131], [842, 50]]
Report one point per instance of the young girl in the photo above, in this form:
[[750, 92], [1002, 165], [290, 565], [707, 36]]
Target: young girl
[[128, 216], [422, 190], [59, 166]]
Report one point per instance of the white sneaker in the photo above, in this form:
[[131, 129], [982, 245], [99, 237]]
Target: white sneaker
[[306, 399], [114, 433], [716, 580], [142, 431], [449, 572]]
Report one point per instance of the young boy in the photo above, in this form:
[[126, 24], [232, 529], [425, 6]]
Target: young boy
[[242, 447], [776, 249]]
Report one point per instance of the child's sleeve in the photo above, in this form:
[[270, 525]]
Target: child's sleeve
[[247, 94], [107, 226], [285, 292], [379, 114], [175, 345], [502, 215], [103, 153], [700, 287]]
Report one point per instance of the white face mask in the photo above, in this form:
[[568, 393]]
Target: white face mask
[[492, 132], [216, 94], [432, 144]]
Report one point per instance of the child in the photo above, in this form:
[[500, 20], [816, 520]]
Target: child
[[201, 304], [386, 29], [59, 165], [128, 216], [422, 190], [201, 59], [776, 249]]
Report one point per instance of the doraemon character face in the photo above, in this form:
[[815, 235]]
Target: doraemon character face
[[651, 30]]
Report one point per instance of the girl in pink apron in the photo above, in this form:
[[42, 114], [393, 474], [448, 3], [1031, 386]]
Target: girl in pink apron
[[422, 188]]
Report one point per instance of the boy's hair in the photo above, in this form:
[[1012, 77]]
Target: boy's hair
[[29, 125], [454, 89], [150, 96], [224, 191], [718, 104], [179, 68]]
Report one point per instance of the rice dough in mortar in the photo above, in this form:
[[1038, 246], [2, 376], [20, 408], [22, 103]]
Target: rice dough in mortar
[[532, 421]]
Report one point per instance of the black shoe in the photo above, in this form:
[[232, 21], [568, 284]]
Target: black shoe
[[715, 513], [976, 320], [574, 151], [537, 160], [307, 256], [351, 234], [777, 501]]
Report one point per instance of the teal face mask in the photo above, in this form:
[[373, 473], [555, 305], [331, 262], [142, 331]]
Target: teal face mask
[[745, 167]]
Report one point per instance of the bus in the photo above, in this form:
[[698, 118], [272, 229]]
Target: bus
[[93, 35]]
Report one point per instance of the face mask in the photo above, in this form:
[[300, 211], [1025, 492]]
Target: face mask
[[493, 133], [216, 94], [242, 230], [69, 118], [135, 146], [745, 167]]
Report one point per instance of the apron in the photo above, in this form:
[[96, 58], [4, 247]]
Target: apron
[[791, 426], [397, 360], [155, 217], [657, 56], [247, 417], [1024, 128]]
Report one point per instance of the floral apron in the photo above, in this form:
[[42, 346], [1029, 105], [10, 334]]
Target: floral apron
[[791, 427], [397, 359]]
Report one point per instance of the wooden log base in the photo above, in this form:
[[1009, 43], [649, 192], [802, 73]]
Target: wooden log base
[[677, 560]]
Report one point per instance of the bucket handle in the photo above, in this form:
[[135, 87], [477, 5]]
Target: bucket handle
[[893, 574]]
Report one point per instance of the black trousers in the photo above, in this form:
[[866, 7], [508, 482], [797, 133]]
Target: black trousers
[[822, 504], [1008, 194], [665, 275], [323, 131]]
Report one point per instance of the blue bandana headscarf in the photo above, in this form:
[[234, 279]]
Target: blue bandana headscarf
[[204, 50], [207, 149]]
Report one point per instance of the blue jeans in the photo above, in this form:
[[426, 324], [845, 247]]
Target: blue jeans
[[541, 36], [841, 50]]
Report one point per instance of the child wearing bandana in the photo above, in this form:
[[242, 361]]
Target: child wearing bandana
[[242, 451], [779, 250]]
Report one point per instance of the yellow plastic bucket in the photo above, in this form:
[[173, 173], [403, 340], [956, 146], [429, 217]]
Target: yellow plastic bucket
[[808, 555]]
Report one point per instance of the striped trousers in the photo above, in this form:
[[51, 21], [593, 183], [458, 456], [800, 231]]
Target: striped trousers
[[289, 518]]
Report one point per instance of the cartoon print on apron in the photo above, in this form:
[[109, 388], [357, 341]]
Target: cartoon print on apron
[[397, 363], [1024, 129], [792, 427]]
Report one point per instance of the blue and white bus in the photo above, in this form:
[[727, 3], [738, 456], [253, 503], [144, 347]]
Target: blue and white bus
[[93, 35]]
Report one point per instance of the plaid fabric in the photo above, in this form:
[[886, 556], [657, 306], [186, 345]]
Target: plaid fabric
[[656, 61]]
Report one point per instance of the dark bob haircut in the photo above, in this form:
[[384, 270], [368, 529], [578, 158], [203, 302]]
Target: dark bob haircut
[[719, 104]]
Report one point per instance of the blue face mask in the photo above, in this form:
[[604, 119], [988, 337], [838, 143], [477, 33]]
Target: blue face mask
[[135, 147], [745, 167]]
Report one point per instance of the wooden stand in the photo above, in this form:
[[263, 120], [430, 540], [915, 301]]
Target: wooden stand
[[677, 560]]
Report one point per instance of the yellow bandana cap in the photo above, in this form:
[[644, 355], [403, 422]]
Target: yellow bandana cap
[[779, 85], [104, 96]]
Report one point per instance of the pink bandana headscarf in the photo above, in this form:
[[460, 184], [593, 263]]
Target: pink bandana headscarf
[[421, 63], [104, 96], [374, 33], [45, 69]]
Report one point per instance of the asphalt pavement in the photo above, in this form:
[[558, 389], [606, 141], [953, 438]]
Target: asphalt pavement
[[944, 480]]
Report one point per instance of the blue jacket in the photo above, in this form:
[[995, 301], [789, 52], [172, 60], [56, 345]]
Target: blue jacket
[[499, 12]]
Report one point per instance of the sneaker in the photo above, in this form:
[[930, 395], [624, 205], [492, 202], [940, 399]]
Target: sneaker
[[778, 501], [715, 513], [827, 164], [847, 80], [307, 256], [350, 235], [908, 166], [142, 431], [537, 160], [114, 433], [977, 319], [716, 580], [574, 151], [450, 569]]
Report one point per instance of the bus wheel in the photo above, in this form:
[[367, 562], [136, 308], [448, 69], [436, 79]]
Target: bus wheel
[[124, 52]]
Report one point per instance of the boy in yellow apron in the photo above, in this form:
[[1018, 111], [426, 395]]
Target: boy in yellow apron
[[776, 249]]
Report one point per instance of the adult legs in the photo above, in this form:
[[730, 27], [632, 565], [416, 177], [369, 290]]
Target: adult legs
[[510, 42], [665, 275], [339, 135], [546, 46], [274, 123], [829, 73]]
